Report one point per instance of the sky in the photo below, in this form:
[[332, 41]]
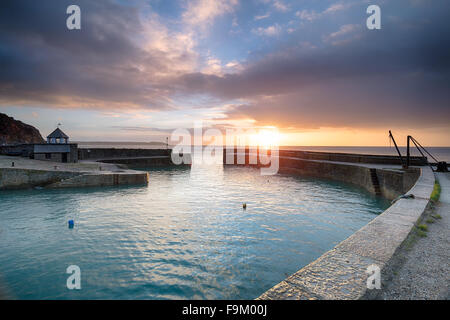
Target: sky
[[137, 70]]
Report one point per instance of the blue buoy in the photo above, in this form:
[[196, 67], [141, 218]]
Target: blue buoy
[[71, 224]]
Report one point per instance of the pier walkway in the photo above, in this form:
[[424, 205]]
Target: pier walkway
[[424, 271], [82, 166], [19, 173]]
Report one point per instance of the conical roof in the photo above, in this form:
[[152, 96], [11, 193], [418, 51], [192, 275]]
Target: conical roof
[[58, 134]]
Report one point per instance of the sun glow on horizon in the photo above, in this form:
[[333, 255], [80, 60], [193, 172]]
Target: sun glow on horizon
[[266, 138]]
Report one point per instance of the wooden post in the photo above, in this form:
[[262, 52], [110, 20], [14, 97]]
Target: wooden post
[[398, 151], [407, 152], [247, 155], [258, 162]]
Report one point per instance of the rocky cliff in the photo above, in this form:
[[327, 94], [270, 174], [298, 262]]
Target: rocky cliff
[[13, 131]]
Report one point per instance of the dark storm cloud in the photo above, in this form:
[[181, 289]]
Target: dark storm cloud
[[43, 62], [398, 75], [350, 77]]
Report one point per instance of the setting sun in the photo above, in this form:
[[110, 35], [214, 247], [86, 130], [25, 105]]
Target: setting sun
[[266, 138]]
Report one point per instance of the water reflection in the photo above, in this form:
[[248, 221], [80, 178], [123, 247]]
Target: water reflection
[[183, 236]]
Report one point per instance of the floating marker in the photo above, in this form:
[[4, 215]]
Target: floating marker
[[71, 224], [244, 206]]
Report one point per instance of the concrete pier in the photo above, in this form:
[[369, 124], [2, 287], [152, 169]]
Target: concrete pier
[[384, 176], [28, 173], [342, 273]]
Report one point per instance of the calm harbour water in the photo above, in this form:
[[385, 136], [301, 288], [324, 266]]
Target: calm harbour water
[[184, 236]]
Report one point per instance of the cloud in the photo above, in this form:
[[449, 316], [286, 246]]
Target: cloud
[[233, 66], [345, 29], [213, 66], [203, 12], [399, 77], [348, 31], [307, 15], [335, 8], [311, 15], [350, 103], [280, 6], [262, 17], [270, 31], [117, 60], [127, 57]]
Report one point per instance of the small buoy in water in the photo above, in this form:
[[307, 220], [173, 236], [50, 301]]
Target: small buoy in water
[[244, 206], [71, 224]]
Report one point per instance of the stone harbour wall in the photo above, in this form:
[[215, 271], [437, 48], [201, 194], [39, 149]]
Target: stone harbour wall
[[103, 180], [341, 273], [19, 178], [392, 182], [147, 162], [112, 153]]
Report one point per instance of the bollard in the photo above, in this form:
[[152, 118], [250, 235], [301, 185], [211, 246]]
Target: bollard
[[442, 166], [247, 155], [12, 164], [258, 160]]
